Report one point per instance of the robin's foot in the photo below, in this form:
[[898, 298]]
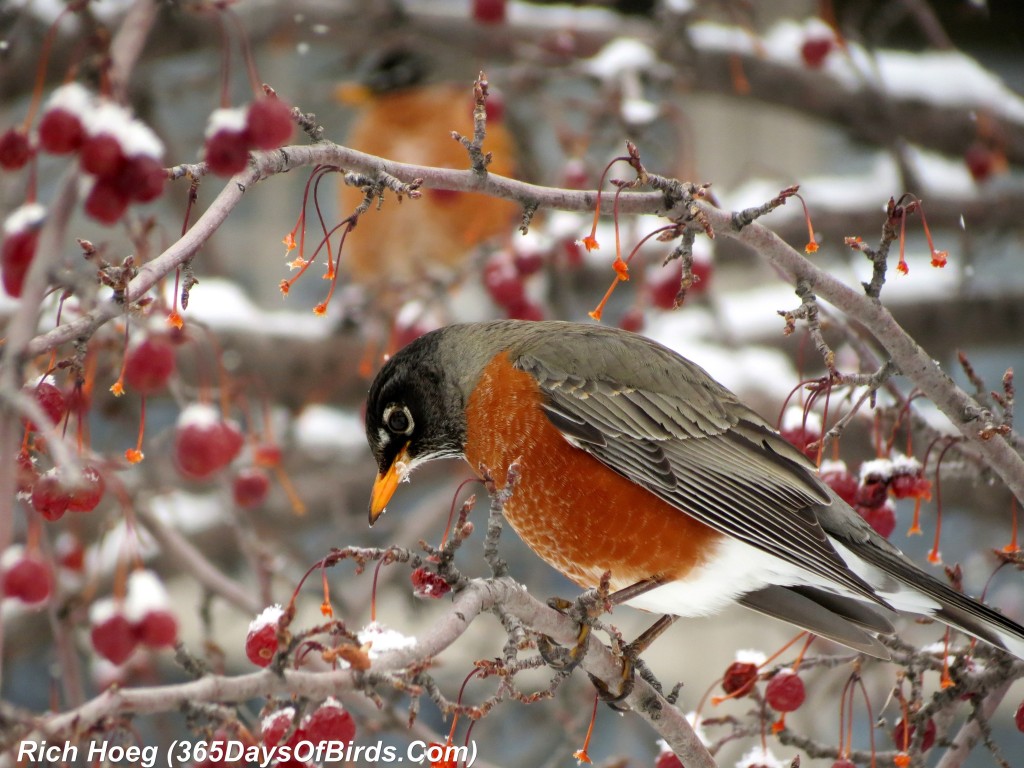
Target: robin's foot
[[557, 656], [583, 610], [630, 659], [626, 682]]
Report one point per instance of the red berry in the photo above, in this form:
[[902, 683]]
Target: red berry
[[27, 474], [149, 365], [739, 678], [261, 640], [872, 493], [70, 552], [803, 437], [1018, 717], [980, 161], [632, 320], [114, 637], [428, 584], [899, 738], [227, 152], [785, 691], [15, 151], [51, 400], [330, 722], [503, 282], [575, 175], [158, 629], [275, 725], [143, 179], [261, 645], [663, 285], [60, 131], [250, 487], [911, 487], [204, 443], [495, 106], [27, 579], [525, 310], [882, 518], [268, 123], [49, 497], [16, 254], [815, 49], [102, 156], [667, 760], [488, 11], [702, 269], [405, 334], [107, 201], [573, 252], [528, 262], [837, 477], [85, 496], [443, 196]]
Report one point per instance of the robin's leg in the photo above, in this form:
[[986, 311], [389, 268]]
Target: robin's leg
[[584, 610], [630, 654]]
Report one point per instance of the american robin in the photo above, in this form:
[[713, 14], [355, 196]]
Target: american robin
[[634, 461], [406, 119]]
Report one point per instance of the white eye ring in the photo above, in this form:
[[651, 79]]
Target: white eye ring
[[402, 414]]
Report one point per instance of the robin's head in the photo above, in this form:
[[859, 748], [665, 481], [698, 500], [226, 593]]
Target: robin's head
[[414, 414]]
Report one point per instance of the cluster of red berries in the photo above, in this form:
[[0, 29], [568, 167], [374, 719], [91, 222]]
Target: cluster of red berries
[[902, 738], [204, 442], [802, 431], [120, 153], [143, 618], [785, 691], [232, 133], [330, 722], [901, 477], [54, 492], [505, 277]]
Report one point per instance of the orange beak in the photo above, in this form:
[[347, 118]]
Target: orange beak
[[385, 484]]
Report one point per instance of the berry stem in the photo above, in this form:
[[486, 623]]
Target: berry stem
[[40, 81], [247, 55], [581, 753]]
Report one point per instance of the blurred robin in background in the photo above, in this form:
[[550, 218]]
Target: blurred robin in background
[[634, 461], [407, 119]]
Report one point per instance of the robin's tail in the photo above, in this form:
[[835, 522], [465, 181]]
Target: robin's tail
[[943, 602]]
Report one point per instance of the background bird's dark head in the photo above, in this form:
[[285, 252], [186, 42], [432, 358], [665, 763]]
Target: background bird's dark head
[[414, 413]]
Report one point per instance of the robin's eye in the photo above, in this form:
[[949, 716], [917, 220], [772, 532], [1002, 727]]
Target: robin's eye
[[398, 419]]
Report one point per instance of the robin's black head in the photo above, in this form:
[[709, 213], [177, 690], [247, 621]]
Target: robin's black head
[[395, 69], [414, 413]]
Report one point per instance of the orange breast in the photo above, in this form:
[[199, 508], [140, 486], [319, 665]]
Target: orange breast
[[403, 242], [570, 509]]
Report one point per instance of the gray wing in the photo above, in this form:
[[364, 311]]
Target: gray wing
[[689, 441]]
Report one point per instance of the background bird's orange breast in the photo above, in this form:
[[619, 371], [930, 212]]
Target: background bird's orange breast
[[404, 241], [576, 513]]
